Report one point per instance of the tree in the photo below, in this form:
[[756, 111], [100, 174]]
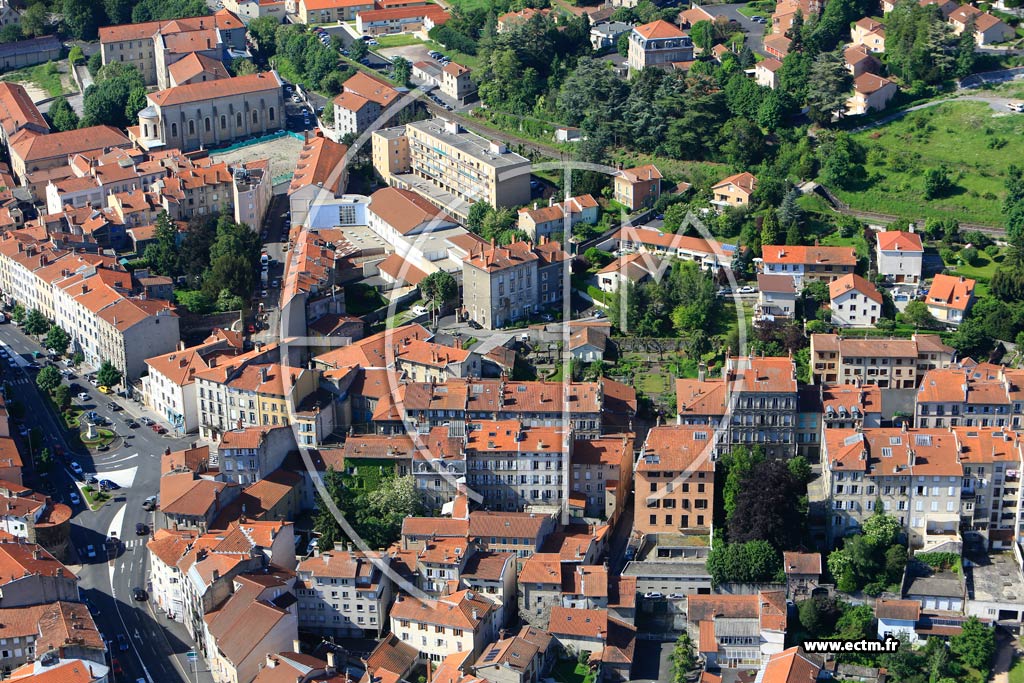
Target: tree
[[841, 159], [738, 463], [324, 523], [965, 46], [622, 44], [358, 49], [57, 339], [975, 645], [95, 63], [107, 100], [800, 469], [162, 253], [36, 323], [118, 11], [819, 615], [883, 529], [62, 116], [108, 375], [743, 142], [80, 18], [475, 218], [18, 313], [751, 562], [195, 300], [789, 210], [768, 510], [440, 289], [11, 33], [828, 87], [226, 301], [674, 217], [770, 229], [263, 31], [916, 313], [62, 396], [48, 379], [403, 70], [35, 20], [703, 35], [682, 657], [937, 183], [240, 66]]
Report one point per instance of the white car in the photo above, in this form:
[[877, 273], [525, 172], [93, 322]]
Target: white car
[[747, 290], [76, 468], [82, 396], [1016, 106], [419, 310]]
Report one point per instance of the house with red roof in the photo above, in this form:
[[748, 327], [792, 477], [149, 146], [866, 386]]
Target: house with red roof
[[733, 631], [854, 302], [949, 298], [735, 190], [870, 33], [659, 44], [871, 92], [463, 621], [900, 255], [638, 187], [609, 641]]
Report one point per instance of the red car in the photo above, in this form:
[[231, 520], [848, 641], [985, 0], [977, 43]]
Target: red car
[[252, 328], [159, 429], [115, 666]]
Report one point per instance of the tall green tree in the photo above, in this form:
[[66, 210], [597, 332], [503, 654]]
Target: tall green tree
[[770, 233], [36, 323], [48, 379], [108, 375], [703, 35], [975, 645], [162, 254], [81, 18], [403, 70], [829, 85], [683, 658], [440, 289], [57, 339], [62, 116]]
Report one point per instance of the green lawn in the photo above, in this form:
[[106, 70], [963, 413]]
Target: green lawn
[[765, 9], [361, 299], [46, 76], [982, 270], [466, 5], [571, 671], [398, 40], [974, 142], [857, 242], [1017, 671]]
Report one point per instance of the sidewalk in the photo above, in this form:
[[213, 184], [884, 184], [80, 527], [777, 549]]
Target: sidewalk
[[180, 660]]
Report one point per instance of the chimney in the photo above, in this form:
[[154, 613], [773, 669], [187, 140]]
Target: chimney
[[297, 646], [263, 374], [181, 346], [85, 288], [216, 574], [551, 200], [331, 665]]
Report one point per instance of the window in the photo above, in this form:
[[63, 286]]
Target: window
[[206, 123], [270, 114], [223, 122], [255, 117], [238, 119], [174, 130], [191, 127]]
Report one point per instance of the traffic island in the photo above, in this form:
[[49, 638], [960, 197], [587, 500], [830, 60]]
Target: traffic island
[[94, 498]]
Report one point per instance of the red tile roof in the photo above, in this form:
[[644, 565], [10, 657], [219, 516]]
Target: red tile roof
[[659, 29], [950, 291], [897, 240], [854, 282], [210, 90]]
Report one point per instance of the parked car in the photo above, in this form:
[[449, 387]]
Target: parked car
[[146, 421], [76, 468], [74, 498], [122, 642], [104, 389], [149, 503], [90, 551], [141, 529], [109, 485], [747, 289], [138, 593], [114, 406]]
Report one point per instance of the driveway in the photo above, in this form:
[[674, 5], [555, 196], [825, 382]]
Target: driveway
[[754, 30]]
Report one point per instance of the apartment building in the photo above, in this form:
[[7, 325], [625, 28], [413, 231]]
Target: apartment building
[[461, 622], [18, 111], [899, 256], [734, 631], [637, 188], [658, 44], [993, 460], [34, 155], [850, 406], [871, 92], [409, 19], [709, 254], [211, 113], [503, 284], [949, 298], [982, 395], [558, 218], [423, 361], [593, 631], [62, 630], [916, 473], [33, 576], [776, 299], [823, 264], [886, 363], [169, 387], [602, 476], [311, 12], [362, 99], [457, 81], [254, 389], [450, 167], [344, 594], [854, 302], [248, 455], [675, 480], [515, 467], [165, 549]]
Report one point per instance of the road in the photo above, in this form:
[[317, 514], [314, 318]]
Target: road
[[754, 30], [155, 653]]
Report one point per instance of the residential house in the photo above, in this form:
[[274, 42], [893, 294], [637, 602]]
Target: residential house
[[823, 264], [509, 20], [511, 660], [735, 190], [249, 454], [988, 29], [766, 72], [886, 363], [606, 34], [423, 361], [588, 343], [319, 179], [675, 480], [776, 45], [608, 640], [949, 298], [312, 12], [558, 218], [630, 268], [457, 82], [18, 111], [460, 622], [32, 152], [788, 666], [659, 44], [362, 100], [776, 299], [870, 93], [899, 256], [50, 632], [408, 19], [854, 302], [709, 254], [602, 472], [503, 284], [869, 33], [859, 60], [803, 573], [733, 631], [638, 187], [982, 395], [29, 575]]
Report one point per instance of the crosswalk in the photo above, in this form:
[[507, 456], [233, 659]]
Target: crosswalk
[[136, 542]]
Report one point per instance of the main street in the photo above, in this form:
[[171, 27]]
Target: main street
[[157, 646]]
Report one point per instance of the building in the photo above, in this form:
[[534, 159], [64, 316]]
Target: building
[[606, 34], [675, 480], [50, 632], [169, 388], [22, 53], [982, 395], [463, 621], [823, 264], [854, 302], [870, 93], [450, 167], [885, 363], [32, 151], [254, 9], [899, 256], [777, 46], [18, 111], [803, 573], [659, 44], [501, 285], [312, 12], [789, 666], [916, 473], [344, 594], [709, 254], [776, 299], [362, 99], [251, 192], [154, 46], [456, 81], [850, 406], [248, 455], [990, 494], [869, 33], [423, 361], [733, 631], [638, 187], [29, 575], [403, 19], [558, 218], [320, 177], [988, 29], [859, 60], [509, 20], [766, 72], [602, 473], [736, 190], [211, 113], [949, 298], [608, 640], [165, 549]]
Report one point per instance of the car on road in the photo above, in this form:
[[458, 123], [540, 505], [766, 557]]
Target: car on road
[[132, 424], [1016, 106], [149, 503], [115, 666], [159, 429], [76, 468], [138, 593], [653, 595], [146, 421], [90, 551], [263, 294], [122, 642], [747, 289], [104, 389], [73, 497], [141, 529], [114, 406]]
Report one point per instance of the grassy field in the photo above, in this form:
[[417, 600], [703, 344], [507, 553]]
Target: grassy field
[[1017, 671], [46, 77], [690, 171], [465, 5], [398, 40], [974, 142]]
